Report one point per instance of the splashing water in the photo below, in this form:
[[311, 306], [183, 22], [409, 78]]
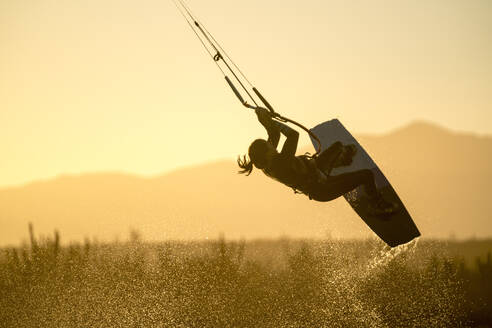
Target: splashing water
[[388, 254], [214, 284]]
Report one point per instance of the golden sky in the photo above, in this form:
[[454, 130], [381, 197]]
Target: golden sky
[[118, 85]]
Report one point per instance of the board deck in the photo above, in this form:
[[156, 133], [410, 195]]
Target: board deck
[[396, 229]]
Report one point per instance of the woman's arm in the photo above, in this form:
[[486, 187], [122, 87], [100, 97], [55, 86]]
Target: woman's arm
[[290, 144], [274, 129]]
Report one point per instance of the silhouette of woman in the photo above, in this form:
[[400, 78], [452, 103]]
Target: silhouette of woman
[[306, 175]]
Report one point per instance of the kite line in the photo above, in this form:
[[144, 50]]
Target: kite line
[[225, 63]]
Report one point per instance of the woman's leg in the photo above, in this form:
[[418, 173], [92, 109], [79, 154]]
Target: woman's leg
[[326, 160], [341, 184]]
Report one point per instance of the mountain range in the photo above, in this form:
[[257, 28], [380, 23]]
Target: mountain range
[[441, 175]]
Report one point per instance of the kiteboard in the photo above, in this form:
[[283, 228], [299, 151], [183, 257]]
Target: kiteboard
[[396, 229]]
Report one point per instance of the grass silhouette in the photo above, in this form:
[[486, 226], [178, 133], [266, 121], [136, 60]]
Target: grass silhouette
[[234, 284]]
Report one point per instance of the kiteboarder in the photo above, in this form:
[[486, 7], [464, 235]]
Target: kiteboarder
[[310, 176]]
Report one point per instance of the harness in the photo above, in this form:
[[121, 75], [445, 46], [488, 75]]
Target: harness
[[313, 176]]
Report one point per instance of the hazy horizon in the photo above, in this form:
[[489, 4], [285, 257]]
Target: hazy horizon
[[426, 165]]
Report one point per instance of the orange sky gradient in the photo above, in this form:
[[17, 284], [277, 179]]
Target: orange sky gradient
[[112, 85]]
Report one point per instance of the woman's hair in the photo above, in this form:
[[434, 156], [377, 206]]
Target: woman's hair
[[256, 152], [245, 164]]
